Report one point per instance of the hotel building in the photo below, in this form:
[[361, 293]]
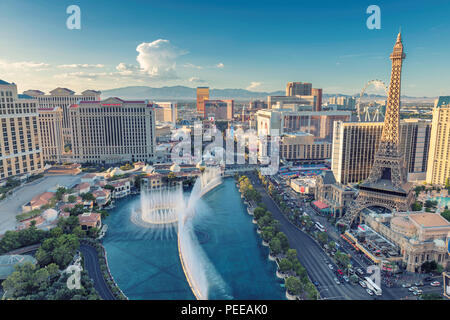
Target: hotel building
[[112, 131], [302, 147], [318, 123], [50, 126], [202, 95], [20, 148], [355, 144], [165, 112], [219, 109], [63, 98], [439, 158]]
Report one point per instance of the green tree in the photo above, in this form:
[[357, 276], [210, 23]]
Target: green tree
[[283, 241], [293, 285], [285, 265], [342, 259], [291, 254], [416, 206], [446, 214], [275, 246], [322, 237], [259, 213], [72, 198]]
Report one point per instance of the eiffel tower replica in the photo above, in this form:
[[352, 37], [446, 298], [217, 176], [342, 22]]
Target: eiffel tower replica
[[387, 184]]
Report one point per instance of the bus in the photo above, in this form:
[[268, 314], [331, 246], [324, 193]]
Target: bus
[[372, 286], [320, 227]]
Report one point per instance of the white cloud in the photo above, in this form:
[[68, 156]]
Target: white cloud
[[157, 58], [80, 66], [23, 65], [126, 69], [195, 79], [220, 65], [190, 65], [254, 85]]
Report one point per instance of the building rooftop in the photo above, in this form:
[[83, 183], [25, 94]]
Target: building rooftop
[[429, 220], [4, 82]]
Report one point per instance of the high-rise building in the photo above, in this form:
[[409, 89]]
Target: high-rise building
[[202, 95], [355, 144], [112, 131], [318, 94], [318, 123], [165, 112], [303, 147], [63, 98], [298, 89], [219, 109], [50, 126], [346, 103], [387, 184], [282, 101], [20, 147], [439, 157]]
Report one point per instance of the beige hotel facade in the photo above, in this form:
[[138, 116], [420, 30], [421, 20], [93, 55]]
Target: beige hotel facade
[[63, 98], [20, 148], [439, 159], [112, 131]]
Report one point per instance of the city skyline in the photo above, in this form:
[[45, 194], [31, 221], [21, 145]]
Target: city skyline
[[178, 44]]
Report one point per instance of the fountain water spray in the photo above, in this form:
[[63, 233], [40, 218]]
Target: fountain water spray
[[166, 209]]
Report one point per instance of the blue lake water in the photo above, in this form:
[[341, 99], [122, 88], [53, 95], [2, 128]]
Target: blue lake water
[[147, 267]]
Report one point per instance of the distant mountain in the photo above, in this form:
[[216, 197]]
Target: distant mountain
[[186, 93], [183, 93]]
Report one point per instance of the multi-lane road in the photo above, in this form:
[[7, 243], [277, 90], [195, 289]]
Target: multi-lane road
[[311, 255]]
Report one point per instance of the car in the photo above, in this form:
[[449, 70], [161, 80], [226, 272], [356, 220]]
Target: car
[[330, 266], [359, 270], [406, 285], [337, 281], [370, 292], [412, 289], [435, 284], [316, 283], [418, 284], [416, 293], [363, 284], [340, 272], [346, 279]]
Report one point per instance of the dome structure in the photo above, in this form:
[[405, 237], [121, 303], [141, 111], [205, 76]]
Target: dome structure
[[403, 225], [50, 215], [148, 169], [116, 172]]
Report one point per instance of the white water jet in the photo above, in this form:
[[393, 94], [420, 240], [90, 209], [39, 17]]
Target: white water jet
[[166, 209]]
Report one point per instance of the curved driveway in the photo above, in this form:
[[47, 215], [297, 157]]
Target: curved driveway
[[91, 264]]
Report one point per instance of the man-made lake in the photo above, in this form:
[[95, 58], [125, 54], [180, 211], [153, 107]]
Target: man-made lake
[[147, 266]]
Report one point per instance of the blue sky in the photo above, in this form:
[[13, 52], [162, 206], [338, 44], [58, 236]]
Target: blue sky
[[259, 45]]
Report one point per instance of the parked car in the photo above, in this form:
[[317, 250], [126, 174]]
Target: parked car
[[337, 281], [346, 279], [369, 292], [435, 284], [359, 270], [330, 266], [362, 284], [340, 272], [406, 285]]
